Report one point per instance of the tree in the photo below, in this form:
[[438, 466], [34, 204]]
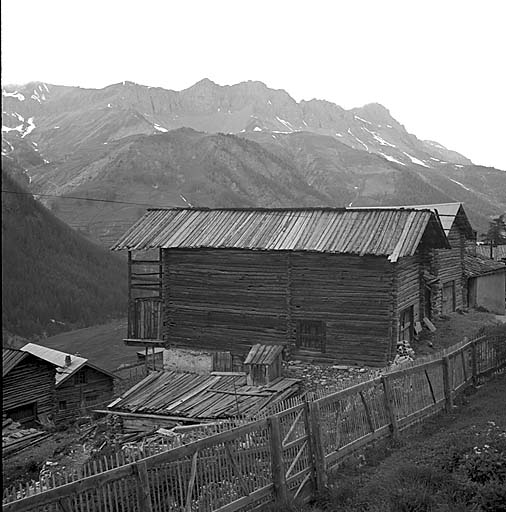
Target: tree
[[496, 234]]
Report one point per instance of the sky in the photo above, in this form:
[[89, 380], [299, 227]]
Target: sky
[[438, 66]]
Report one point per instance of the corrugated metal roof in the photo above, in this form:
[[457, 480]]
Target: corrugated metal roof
[[475, 266], [56, 357], [10, 358], [263, 354], [392, 232], [201, 396]]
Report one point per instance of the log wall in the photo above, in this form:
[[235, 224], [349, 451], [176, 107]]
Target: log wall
[[449, 266], [32, 380], [229, 300], [97, 384]]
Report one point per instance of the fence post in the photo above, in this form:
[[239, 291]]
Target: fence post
[[474, 362], [143, 490], [390, 407], [447, 384], [277, 465], [316, 441]]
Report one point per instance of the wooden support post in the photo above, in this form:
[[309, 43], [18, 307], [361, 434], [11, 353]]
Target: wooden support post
[[277, 464], [143, 490], [390, 408], [447, 384], [191, 483], [130, 308], [315, 433], [474, 362]]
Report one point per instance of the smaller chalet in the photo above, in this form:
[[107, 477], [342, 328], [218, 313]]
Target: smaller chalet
[[78, 383], [28, 386], [485, 283]]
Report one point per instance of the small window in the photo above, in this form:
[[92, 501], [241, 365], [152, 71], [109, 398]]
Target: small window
[[406, 324], [80, 378], [311, 334], [448, 299], [62, 405]]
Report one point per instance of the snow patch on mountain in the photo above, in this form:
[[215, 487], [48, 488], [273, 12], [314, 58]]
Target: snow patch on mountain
[[30, 128], [391, 158], [416, 160], [14, 94], [357, 139], [287, 124], [363, 120], [463, 186]]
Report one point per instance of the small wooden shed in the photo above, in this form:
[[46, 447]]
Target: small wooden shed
[[263, 364]]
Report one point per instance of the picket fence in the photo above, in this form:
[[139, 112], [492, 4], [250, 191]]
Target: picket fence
[[285, 455]]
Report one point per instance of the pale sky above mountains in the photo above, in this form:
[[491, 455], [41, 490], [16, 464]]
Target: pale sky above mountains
[[438, 66]]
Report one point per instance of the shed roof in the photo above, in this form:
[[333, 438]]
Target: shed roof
[[12, 357], [56, 357], [201, 397], [388, 232], [263, 354], [475, 266]]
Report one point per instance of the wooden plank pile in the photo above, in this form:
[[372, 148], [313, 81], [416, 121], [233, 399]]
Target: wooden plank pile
[[16, 438]]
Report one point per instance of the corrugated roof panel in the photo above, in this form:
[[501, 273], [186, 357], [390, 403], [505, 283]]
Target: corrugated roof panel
[[354, 231]]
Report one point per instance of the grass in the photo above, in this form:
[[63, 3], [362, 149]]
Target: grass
[[453, 328], [101, 344], [454, 462]]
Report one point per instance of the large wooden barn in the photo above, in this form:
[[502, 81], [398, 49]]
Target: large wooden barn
[[329, 284], [28, 387]]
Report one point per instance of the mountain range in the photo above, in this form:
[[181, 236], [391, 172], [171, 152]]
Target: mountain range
[[212, 145]]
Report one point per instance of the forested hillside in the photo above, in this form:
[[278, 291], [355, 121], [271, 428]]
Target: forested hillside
[[54, 279]]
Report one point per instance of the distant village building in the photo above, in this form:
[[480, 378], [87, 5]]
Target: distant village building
[[28, 387], [485, 283], [329, 284], [77, 382]]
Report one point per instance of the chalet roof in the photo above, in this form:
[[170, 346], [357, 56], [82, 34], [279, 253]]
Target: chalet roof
[[56, 357], [201, 397], [384, 232], [263, 354], [475, 266], [447, 213], [11, 358]]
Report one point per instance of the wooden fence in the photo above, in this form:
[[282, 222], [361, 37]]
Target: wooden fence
[[285, 455]]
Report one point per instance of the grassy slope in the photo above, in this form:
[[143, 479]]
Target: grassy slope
[[53, 278], [101, 344]]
